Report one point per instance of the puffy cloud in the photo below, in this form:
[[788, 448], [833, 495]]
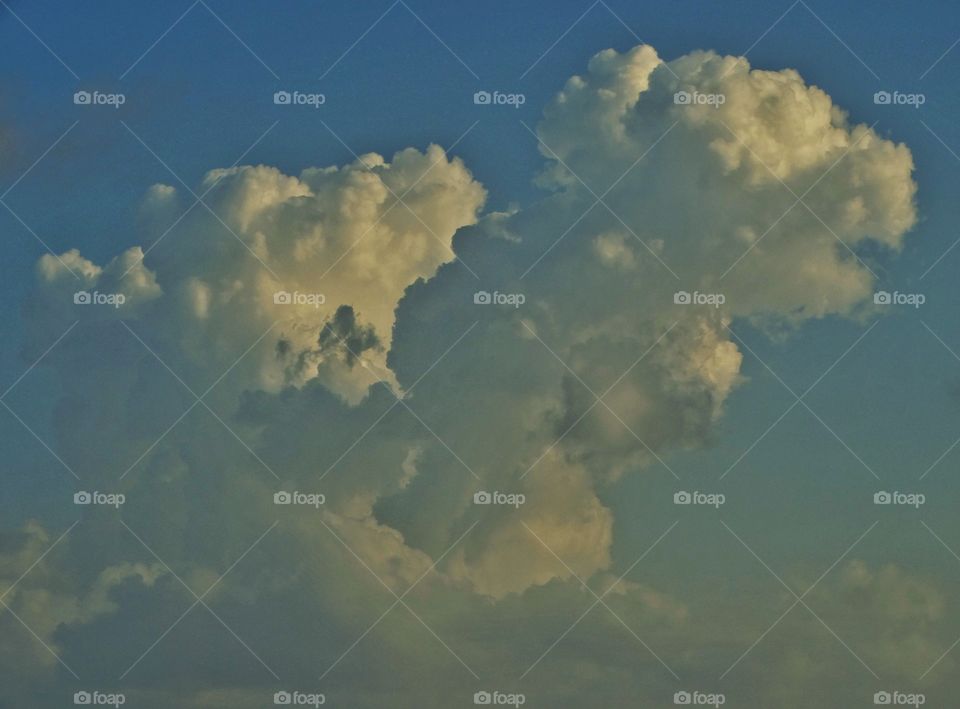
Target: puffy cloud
[[600, 319], [358, 299], [723, 175], [124, 274], [561, 531], [600, 372], [159, 195], [689, 372], [353, 236], [331, 237], [695, 204]]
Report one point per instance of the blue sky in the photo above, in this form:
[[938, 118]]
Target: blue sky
[[199, 81]]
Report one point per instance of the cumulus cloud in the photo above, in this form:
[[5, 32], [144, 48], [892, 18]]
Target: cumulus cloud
[[722, 177], [339, 291], [564, 532], [354, 236]]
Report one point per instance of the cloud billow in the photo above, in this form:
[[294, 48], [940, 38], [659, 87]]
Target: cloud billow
[[650, 195]]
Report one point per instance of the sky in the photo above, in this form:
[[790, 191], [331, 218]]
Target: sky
[[591, 394]]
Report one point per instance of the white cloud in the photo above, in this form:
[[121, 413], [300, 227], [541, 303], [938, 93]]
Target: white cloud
[[336, 236], [515, 403]]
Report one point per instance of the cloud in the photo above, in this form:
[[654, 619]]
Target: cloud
[[563, 532], [353, 236], [45, 595], [718, 179], [309, 304]]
